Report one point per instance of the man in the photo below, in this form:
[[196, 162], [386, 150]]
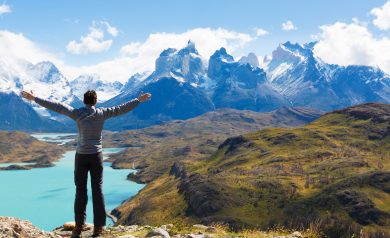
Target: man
[[89, 155]]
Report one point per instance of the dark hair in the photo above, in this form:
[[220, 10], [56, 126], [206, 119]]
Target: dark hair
[[90, 97]]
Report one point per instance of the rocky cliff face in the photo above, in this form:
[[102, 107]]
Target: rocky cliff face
[[305, 79], [241, 85], [185, 63]]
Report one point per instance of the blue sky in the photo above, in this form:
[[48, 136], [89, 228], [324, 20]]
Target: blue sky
[[52, 25]]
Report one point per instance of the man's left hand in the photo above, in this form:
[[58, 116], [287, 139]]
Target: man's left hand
[[27, 95]]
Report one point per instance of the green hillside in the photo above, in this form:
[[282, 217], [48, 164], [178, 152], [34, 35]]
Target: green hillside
[[154, 149], [332, 174]]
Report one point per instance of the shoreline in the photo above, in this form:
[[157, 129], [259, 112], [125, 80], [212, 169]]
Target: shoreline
[[110, 214], [27, 165], [23, 166], [110, 151]]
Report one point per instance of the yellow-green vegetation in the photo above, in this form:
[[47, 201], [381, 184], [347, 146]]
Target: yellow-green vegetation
[[154, 149], [218, 231], [221, 234], [169, 203], [334, 172], [16, 146]]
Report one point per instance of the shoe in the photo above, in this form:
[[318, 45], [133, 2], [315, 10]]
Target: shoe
[[97, 231], [76, 232]]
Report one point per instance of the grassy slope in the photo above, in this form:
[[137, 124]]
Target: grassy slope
[[194, 139], [18, 146], [334, 171]]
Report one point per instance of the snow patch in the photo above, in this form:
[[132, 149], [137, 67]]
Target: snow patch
[[281, 69]]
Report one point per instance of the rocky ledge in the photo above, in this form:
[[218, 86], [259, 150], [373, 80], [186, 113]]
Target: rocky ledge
[[14, 227]]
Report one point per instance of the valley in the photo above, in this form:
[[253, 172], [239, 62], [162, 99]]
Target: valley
[[333, 171], [287, 167]]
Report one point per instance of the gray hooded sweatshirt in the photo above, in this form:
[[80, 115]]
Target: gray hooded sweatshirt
[[90, 121]]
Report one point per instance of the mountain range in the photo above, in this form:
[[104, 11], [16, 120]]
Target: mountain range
[[184, 85]]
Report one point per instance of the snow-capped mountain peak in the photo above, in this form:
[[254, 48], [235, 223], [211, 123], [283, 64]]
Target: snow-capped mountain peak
[[134, 81], [46, 81], [217, 61], [104, 90], [45, 72], [251, 59], [222, 55], [183, 88], [185, 63], [190, 48]]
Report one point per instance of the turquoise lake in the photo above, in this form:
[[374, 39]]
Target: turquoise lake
[[45, 196]]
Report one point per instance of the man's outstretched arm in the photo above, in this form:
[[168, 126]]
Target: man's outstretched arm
[[125, 107], [54, 106]]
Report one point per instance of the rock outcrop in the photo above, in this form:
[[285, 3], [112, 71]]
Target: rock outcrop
[[16, 228], [200, 195], [178, 170]]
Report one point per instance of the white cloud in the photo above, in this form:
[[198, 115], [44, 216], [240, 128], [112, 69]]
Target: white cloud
[[134, 57], [382, 16], [112, 30], [16, 47], [288, 26], [17, 52], [261, 32], [94, 41], [4, 8], [207, 40], [348, 44]]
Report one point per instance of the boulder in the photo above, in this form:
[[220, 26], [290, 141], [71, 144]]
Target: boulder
[[158, 232], [68, 226], [178, 170], [167, 227], [197, 236], [209, 229], [295, 234], [200, 226]]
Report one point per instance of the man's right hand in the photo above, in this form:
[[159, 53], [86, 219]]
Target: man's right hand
[[27, 95], [144, 97]]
